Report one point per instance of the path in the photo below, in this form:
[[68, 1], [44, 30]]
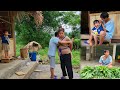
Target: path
[[45, 73]]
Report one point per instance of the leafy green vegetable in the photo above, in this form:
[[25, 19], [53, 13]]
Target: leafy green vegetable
[[100, 72]]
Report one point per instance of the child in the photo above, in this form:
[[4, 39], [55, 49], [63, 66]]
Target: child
[[95, 31], [5, 44], [106, 59]]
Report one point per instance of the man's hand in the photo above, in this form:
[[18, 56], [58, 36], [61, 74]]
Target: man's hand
[[101, 21]]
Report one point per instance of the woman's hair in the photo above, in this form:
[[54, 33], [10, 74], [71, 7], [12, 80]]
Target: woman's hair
[[104, 15], [60, 26], [60, 29]]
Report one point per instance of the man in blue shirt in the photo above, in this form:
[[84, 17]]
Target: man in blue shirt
[[108, 26], [106, 59], [52, 51]]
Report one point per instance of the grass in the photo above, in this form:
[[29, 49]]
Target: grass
[[18, 47], [43, 55]]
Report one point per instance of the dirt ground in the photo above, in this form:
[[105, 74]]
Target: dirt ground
[[45, 72]]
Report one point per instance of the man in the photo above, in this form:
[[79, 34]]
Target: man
[[106, 59], [108, 26], [52, 51]]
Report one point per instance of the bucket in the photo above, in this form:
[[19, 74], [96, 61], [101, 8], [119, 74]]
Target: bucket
[[23, 52], [32, 56]]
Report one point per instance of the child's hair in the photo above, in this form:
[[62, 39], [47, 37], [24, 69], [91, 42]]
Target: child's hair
[[96, 21], [5, 31], [60, 29], [105, 51], [56, 34], [104, 15]]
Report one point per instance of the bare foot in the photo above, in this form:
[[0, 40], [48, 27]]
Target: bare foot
[[90, 44], [109, 66]]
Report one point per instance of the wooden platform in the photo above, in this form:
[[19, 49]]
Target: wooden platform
[[6, 60], [85, 37]]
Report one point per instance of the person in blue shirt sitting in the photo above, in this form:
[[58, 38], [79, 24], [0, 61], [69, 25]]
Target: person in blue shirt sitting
[[95, 32], [106, 59], [108, 26], [5, 43]]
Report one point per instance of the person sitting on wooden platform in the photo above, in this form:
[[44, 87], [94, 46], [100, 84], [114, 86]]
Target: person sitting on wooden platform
[[108, 26], [108, 29], [95, 32]]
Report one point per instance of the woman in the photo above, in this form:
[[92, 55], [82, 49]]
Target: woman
[[65, 55]]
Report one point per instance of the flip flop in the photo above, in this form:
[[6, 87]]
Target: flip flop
[[55, 77], [86, 42]]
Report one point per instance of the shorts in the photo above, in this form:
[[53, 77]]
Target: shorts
[[5, 47], [52, 61], [107, 37]]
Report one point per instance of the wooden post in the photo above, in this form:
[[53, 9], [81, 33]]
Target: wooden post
[[114, 53], [88, 53], [91, 52], [13, 31]]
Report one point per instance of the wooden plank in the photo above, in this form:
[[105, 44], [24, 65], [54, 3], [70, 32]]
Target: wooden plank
[[85, 36], [112, 12], [92, 18], [117, 25], [115, 41]]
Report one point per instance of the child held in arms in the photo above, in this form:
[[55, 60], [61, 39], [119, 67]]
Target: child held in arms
[[95, 32], [5, 44]]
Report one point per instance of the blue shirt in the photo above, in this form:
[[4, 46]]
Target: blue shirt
[[110, 27], [5, 40], [52, 46], [99, 29], [107, 61]]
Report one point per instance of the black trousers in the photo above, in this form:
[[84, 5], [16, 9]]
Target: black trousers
[[66, 63]]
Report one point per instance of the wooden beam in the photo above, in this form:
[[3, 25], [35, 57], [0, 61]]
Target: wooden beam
[[88, 54], [5, 21], [13, 32], [115, 41], [85, 36]]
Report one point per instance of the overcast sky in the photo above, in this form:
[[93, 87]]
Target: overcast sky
[[67, 27]]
